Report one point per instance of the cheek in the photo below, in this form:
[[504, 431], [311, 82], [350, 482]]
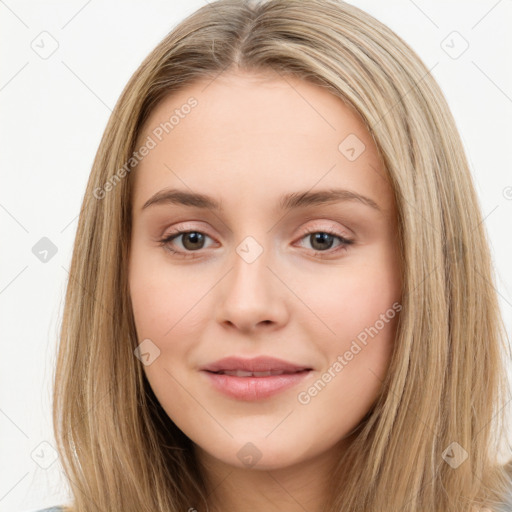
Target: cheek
[[351, 299], [164, 299], [359, 310]]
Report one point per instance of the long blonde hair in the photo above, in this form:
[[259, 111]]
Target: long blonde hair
[[446, 382]]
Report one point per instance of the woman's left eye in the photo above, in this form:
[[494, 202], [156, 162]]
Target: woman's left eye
[[323, 238], [192, 241]]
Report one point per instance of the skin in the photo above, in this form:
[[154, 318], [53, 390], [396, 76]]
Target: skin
[[250, 140]]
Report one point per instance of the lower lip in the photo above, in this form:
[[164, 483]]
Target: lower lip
[[255, 388]]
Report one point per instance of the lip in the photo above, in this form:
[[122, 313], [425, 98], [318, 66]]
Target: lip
[[254, 387]]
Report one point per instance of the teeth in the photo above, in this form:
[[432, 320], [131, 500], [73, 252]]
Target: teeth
[[242, 373]]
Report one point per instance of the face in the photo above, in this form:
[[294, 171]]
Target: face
[[270, 266]]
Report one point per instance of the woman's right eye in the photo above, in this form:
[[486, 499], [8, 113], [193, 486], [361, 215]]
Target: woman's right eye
[[191, 240]]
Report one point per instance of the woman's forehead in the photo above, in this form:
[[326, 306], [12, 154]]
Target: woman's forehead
[[287, 136]]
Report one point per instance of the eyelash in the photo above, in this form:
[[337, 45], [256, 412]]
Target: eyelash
[[164, 242]]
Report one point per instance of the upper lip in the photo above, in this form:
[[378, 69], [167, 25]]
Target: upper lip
[[256, 364]]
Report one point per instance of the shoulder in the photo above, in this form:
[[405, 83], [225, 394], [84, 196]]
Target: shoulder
[[506, 504], [51, 509]]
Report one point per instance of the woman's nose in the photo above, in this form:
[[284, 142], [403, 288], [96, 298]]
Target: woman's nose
[[251, 295]]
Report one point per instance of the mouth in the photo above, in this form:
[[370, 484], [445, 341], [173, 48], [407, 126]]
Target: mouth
[[251, 386]]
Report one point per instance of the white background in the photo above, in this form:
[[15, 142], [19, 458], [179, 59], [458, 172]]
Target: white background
[[53, 114]]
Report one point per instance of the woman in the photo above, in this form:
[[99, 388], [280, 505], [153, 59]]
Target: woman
[[214, 356]]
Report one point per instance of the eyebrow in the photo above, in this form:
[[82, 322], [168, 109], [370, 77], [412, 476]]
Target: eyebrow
[[290, 201]]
